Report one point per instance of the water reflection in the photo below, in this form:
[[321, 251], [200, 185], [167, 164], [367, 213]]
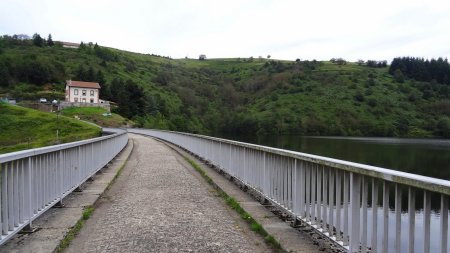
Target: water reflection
[[419, 230]]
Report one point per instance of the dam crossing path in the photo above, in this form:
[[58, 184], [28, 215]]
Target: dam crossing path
[[159, 203]]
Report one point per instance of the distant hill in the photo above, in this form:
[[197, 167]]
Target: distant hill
[[240, 95], [23, 128]]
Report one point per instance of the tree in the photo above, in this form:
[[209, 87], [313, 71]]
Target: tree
[[4, 74], [340, 61], [90, 74], [37, 40], [443, 127], [35, 71], [422, 70], [80, 73], [100, 78], [50, 42], [398, 76]]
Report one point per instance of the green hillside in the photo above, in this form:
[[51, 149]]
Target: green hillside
[[23, 128], [241, 95], [97, 116]]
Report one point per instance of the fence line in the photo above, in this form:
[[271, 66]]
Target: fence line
[[356, 205], [32, 181]]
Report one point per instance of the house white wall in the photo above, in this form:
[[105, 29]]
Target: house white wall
[[82, 95]]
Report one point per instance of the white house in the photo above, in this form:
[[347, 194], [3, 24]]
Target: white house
[[82, 92]]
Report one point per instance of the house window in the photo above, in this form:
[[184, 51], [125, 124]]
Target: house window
[[92, 93], [84, 100], [75, 100], [83, 92], [92, 100], [75, 92]]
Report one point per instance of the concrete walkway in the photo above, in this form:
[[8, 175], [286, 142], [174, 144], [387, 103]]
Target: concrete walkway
[[160, 204]]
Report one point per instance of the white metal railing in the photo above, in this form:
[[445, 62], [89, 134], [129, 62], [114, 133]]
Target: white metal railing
[[34, 180], [356, 205]]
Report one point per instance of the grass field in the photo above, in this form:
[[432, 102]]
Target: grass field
[[23, 128], [95, 115]]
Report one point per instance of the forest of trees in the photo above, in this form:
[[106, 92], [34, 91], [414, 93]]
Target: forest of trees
[[421, 69], [28, 68], [240, 96]]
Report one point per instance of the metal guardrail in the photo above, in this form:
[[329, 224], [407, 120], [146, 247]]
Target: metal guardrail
[[34, 180], [357, 206]]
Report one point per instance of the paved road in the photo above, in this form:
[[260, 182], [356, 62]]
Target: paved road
[[159, 204]]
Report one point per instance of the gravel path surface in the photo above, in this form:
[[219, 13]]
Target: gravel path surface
[[160, 205]]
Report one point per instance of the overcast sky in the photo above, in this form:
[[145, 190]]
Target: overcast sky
[[285, 29]]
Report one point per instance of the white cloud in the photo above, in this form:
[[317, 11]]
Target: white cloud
[[286, 29]]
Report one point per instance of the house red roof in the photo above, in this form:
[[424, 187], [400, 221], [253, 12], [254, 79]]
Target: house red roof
[[80, 84]]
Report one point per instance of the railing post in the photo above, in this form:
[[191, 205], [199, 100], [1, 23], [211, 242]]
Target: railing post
[[411, 218], [374, 245], [426, 221], [307, 191], [61, 178], [398, 212], [30, 190], [302, 184], [346, 204], [338, 204], [364, 203], [385, 216], [265, 178], [355, 189], [4, 200], [295, 191], [444, 223], [331, 205]]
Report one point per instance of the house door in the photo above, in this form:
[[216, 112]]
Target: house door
[[84, 100]]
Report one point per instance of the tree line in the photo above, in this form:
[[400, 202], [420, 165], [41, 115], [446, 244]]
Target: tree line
[[421, 69]]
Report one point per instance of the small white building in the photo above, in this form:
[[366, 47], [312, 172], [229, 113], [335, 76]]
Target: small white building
[[70, 44], [82, 92]]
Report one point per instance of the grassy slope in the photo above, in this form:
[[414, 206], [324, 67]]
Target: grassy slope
[[95, 115], [238, 95], [327, 99], [23, 128]]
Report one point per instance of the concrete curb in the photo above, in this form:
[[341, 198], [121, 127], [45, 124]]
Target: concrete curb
[[54, 225]]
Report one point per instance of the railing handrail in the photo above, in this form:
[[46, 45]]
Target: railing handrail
[[34, 180], [42, 150], [410, 179], [332, 196]]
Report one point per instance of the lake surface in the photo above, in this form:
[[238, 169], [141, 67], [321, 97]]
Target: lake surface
[[428, 157]]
